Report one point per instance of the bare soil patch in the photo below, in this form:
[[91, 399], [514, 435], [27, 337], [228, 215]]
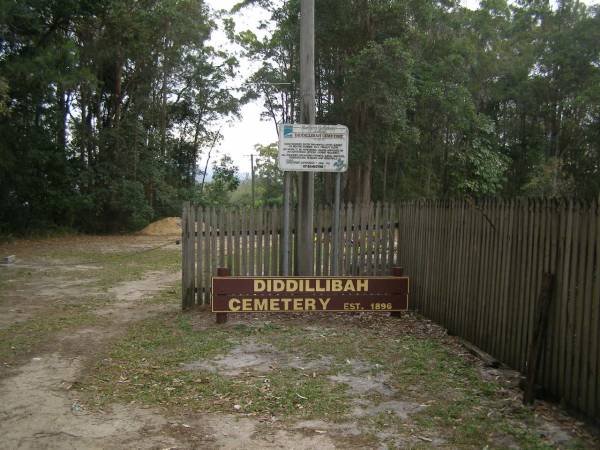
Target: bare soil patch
[[169, 226]]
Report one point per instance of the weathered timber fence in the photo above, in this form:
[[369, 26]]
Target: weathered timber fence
[[249, 242], [478, 268], [475, 268]]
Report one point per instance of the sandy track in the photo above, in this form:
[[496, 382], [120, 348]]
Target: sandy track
[[40, 410]]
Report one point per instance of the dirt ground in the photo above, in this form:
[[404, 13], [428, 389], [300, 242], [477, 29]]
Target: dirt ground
[[71, 308]]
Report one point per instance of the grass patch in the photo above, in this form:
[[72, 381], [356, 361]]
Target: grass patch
[[115, 267], [20, 339], [72, 310], [146, 367], [462, 410]]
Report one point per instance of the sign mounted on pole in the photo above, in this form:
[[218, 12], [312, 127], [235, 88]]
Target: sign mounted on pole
[[313, 148], [309, 294]]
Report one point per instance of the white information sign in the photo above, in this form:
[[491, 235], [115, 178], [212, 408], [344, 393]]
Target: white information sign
[[313, 148]]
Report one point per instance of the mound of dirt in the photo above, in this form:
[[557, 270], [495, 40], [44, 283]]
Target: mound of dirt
[[163, 227]]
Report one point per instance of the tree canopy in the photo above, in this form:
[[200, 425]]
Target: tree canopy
[[106, 106], [444, 101]]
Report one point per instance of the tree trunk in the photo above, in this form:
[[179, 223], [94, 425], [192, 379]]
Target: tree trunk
[[61, 120]]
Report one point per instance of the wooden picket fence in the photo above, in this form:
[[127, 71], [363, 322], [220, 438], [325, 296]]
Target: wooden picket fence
[[475, 268], [249, 242]]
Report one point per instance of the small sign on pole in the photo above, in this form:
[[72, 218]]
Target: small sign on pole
[[313, 148]]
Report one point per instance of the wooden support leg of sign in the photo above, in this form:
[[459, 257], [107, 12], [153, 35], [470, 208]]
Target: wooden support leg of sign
[[397, 272], [222, 272]]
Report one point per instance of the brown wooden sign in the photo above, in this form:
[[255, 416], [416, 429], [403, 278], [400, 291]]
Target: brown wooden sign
[[309, 294]]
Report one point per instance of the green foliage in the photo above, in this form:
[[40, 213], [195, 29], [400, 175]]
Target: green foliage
[[269, 177], [445, 101], [105, 108], [224, 181]]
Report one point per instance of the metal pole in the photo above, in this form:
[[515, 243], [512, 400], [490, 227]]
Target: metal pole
[[307, 116], [285, 244], [252, 164], [336, 224]]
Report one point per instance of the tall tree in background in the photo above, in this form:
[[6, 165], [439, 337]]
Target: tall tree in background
[[108, 105], [444, 101]]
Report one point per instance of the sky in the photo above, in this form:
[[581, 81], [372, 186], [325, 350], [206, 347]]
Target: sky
[[241, 135]]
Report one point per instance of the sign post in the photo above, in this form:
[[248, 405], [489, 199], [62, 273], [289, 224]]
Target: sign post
[[308, 112], [222, 272]]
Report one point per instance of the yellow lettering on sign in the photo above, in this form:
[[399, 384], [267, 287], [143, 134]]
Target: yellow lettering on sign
[[286, 303], [298, 304], [324, 302], [278, 285], [308, 287], [259, 285], [310, 304], [318, 286], [336, 285], [274, 304], [291, 285], [362, 285], [261, 304], [246, 304], [234, 304], [349, 286]]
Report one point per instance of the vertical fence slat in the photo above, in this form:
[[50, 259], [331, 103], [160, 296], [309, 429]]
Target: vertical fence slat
[[564, 295], [267, 241], [585, 309], [258, 239], [355, 239], [275, 241], [327, 251], [318, 270], [199, 252], [348, 240], [236, 243], [208, 255], [516, 272], [221, 237], [490, 266], [391, 235], [252, 231], [575, 266], [378, 247], [594, 372], [185, 244]]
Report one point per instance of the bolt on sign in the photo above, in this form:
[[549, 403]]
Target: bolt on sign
[[309, 294], [313, 148]]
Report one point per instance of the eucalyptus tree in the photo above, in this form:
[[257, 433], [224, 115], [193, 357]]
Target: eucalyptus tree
[[108, 106]]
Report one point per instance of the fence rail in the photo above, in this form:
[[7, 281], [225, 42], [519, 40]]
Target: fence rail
[[475, 268]]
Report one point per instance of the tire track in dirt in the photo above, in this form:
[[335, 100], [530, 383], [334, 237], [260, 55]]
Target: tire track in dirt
[[39, 410]]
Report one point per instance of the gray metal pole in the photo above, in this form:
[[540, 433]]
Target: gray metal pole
[[336, 224], [285, 244], [252, 164], [308, 116]]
